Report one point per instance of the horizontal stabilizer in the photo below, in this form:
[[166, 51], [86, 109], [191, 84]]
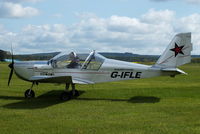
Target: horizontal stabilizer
[[174, 71]]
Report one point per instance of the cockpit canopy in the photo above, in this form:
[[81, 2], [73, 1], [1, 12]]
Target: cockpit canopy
[[93, 61]]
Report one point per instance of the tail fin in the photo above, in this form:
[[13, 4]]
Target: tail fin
[[177, 53]]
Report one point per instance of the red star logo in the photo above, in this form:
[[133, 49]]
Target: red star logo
[[177, 50]]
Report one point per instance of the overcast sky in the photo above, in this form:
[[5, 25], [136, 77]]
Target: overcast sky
[[137, 26]]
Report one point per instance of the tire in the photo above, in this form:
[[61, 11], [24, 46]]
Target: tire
[[76, 94], [64, 96], [29, 93]]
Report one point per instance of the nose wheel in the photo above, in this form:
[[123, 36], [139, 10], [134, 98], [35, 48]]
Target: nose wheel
[[29, 93]]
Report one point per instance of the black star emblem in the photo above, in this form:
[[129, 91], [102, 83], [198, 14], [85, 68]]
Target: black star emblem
[[177, 50]]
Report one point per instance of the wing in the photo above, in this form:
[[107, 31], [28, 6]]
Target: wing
[[51, 79], [81, 81], [59, 79]]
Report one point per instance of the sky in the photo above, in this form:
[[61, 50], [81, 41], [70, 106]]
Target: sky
[[140, 27]]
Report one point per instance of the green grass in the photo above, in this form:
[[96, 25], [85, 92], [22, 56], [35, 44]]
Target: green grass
[[161, 105]]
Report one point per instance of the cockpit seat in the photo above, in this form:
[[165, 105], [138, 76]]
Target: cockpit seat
[[74, 61]]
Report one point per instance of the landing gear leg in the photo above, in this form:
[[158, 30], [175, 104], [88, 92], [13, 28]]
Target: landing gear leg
[[29, 93], [74, 92], [66, 94]]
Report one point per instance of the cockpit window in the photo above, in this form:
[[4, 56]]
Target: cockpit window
[[63, 60], [93, 61], [74, 61]]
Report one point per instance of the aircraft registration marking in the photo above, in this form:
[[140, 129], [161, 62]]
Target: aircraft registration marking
[[132, 75], [47, 73]]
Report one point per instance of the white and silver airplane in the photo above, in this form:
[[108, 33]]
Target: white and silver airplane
[[97, 69]]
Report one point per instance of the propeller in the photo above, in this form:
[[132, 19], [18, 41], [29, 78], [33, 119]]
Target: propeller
[[11, 66]]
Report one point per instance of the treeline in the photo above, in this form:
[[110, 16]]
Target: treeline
[[4, 55], [147, 58], [195, 60], [140, 58], [40, 56], [118, 56], [131, 57]]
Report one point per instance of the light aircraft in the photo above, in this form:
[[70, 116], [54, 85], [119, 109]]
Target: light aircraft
[[97, 69]]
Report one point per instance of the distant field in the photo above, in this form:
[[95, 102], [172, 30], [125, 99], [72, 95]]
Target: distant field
[[161, 105]]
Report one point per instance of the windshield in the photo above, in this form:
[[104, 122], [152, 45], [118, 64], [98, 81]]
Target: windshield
[[93, 61]]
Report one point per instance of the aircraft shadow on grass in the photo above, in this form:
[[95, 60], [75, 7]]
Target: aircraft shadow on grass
[[135, 99], [51, 98]]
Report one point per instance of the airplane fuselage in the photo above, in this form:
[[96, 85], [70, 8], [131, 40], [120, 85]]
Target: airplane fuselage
[[110, 70]]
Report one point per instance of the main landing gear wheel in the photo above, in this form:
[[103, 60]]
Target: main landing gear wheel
[[29, 93], [69, 95], [74, 93], [65, 96]]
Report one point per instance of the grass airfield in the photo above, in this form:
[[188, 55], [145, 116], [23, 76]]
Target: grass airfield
[[161, 105]]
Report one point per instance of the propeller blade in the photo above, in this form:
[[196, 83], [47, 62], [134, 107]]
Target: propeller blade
[[11, 66], [11, 73], [12, 55]]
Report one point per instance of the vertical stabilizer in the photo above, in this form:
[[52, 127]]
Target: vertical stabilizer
[[177, 53]]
